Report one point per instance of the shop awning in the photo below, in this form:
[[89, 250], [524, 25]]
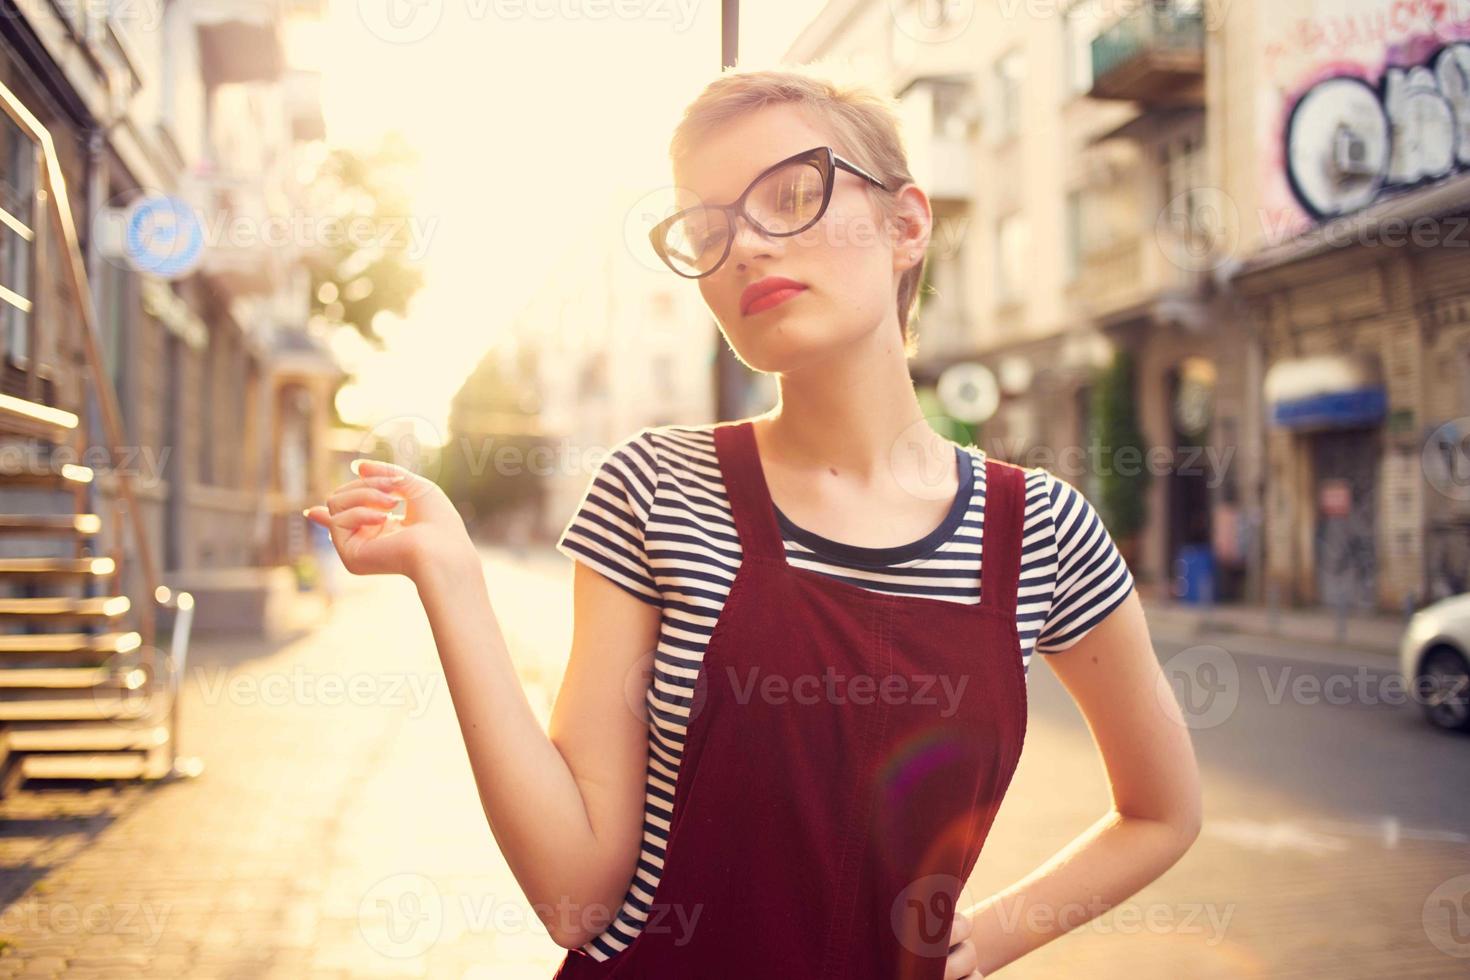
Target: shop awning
[[1438, 200], [1326, 391]]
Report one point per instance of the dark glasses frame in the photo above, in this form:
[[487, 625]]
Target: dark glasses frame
[[827, 162]]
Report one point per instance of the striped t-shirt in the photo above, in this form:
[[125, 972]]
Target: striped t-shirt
[[655, 520]]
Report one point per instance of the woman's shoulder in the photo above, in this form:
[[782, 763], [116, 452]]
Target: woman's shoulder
[[675, 451]]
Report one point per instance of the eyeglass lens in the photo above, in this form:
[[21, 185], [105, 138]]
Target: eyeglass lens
[[783, 202]]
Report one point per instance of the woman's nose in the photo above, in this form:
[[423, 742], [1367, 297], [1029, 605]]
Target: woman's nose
[[751, 242]]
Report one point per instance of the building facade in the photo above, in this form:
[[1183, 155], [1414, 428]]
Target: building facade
[[1355, 177], [224, 394]]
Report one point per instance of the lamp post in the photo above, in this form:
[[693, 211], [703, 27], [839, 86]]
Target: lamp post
[[728, 380]]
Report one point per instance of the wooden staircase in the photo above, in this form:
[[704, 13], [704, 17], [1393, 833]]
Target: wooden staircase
[[81, 694], [89, 683]]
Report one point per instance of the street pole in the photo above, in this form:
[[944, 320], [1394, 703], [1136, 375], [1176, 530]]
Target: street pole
[[729, 32], [726, 369]]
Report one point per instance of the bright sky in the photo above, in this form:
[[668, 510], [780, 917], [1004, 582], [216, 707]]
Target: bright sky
[[525, 114]]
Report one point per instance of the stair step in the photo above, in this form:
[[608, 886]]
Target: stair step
[[57, 566], [57, 737], [50, 523], [28, 418], [121, 765], [64, 678], [44, 473], [119, 642], [75, 709], [59, 607]]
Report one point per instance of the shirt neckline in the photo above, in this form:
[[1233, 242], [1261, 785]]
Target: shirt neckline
[[851, 554]]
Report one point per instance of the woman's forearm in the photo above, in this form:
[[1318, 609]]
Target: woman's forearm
[[531, 800], [1101, 867]]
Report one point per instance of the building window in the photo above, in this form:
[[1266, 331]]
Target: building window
[[1181, 168], [1074, 234], [205, 429], [1082, 23], [954, 108], [1009, 72], [1010, 257], [18, 214], [1097, 217]]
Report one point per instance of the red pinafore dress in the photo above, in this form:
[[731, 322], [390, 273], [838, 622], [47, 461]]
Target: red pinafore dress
[[832, 798]]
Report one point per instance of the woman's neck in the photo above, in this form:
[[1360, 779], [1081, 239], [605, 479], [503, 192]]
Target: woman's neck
[[854, 415]]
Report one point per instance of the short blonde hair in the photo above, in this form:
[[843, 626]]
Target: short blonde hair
[[863, 124]]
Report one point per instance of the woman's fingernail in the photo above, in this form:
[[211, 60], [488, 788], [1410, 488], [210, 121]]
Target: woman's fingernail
[[355, 467], [306, 512]]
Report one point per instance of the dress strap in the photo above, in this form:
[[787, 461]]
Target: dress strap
[[747, 491], [1001, 534]]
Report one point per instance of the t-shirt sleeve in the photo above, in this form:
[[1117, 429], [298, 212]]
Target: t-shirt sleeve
[[1091, 577], [607, 530]]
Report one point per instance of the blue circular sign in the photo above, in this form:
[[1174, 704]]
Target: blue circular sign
[[164, 236]]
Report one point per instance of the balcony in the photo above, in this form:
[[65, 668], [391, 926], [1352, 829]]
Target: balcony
[[1154, 55], [938, 115], [1142, 277], [240, 40], [238, 252]]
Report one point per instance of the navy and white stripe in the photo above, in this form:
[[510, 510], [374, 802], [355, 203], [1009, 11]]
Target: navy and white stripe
[[655, 520]]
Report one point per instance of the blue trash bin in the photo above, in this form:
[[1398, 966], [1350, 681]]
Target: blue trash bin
[[1194, 574]]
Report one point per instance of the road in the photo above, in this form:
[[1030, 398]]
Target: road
[[336, 830]]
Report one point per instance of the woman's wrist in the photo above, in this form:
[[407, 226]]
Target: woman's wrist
[[439, 566]]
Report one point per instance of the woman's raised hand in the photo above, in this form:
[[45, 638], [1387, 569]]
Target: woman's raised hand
[[372, 541]]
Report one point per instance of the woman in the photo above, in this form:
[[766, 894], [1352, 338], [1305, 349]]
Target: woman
[[796, 693]]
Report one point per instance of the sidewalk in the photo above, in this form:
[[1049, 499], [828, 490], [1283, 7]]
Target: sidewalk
[[1370, 633]]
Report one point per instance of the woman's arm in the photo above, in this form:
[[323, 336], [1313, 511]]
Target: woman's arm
[[1114, 676], [566, 809]]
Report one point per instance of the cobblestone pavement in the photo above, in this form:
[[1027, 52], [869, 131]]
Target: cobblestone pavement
[[336, 831]]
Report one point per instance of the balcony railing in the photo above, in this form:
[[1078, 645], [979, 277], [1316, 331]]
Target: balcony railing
[[1153, 55]]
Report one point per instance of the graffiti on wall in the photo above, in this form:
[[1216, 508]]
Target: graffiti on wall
[[1349, 142], [1369, 101]]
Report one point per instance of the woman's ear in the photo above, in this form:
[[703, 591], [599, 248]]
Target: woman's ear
[[911, 225]]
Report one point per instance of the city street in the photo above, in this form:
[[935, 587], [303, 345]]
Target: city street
[[336, 831]]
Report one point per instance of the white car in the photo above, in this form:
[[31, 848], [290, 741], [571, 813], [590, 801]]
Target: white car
[[1434, 657]]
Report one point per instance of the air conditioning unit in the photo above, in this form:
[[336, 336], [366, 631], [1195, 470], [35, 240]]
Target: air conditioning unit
[[1350, 153]]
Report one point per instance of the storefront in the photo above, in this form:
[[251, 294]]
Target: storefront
[[1365, 324]]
